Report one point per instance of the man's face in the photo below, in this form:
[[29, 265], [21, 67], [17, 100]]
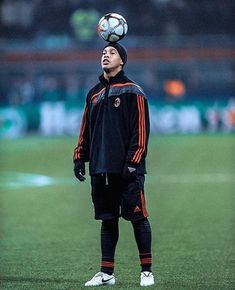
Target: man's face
[[111, 60]]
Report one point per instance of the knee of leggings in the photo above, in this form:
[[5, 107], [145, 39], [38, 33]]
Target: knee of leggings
[[137, 222], [111, 223], [141, 225]]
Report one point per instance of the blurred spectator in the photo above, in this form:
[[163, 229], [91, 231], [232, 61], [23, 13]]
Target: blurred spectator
[[75, 89], [213, 118], [150, 82], [229, 116], [175, 90], [21, 92], [29, 18], [51, 89], [21, 20], [84, 23]]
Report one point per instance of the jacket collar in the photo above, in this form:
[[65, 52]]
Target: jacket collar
[[113, 80]]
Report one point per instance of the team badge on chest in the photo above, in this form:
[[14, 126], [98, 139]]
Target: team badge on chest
[[117, 102]]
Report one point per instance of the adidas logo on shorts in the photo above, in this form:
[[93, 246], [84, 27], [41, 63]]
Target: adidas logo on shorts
[[137, 209]]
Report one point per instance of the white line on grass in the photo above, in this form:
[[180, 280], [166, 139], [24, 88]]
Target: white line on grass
[[193, 178], [15, 180]]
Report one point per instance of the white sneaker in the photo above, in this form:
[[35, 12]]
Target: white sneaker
[[101, 278], [146, 278]]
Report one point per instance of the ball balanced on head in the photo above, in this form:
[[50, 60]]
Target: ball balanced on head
[[112, 27]]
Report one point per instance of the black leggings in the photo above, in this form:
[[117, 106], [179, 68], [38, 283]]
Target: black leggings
[[109, 239]]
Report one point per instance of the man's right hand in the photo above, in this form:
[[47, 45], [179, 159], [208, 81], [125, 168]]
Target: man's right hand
[[79, 170]]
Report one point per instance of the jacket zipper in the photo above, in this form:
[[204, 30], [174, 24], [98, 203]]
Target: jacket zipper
[[106, 104], [106, 95], [105, 175], [106, 179]]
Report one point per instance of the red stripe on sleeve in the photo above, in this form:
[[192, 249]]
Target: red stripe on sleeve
[[141, 130], [81, 138]]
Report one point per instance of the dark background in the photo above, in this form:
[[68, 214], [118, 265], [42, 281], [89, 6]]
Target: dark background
[[49, 50]]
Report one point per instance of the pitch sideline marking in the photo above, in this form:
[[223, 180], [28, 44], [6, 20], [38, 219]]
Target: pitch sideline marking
[[194, 178], [15, 180]]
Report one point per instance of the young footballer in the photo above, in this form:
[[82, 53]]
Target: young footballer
[[113, 139]]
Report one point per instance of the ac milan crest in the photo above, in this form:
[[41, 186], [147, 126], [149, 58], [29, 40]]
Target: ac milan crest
[[117, 102]]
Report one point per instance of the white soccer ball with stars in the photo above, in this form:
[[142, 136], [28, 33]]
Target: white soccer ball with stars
[[112, 27]]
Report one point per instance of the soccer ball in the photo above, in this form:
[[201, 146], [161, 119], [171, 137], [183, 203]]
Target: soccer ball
[[112, 27]]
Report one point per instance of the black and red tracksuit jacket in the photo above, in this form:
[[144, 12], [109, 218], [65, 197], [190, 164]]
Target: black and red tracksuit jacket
[[115, 126]]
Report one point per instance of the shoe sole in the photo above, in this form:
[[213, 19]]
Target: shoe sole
[[110, 282]]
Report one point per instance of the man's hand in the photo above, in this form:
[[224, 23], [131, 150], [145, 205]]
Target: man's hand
[[129, 172], [79, 170]]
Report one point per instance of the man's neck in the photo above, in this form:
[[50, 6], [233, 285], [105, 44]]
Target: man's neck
[[110, 74]]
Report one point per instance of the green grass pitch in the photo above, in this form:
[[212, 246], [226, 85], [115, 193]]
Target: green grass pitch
[[49, 239]]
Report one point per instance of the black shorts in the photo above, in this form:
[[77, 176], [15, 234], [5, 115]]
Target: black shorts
[[114, 198]]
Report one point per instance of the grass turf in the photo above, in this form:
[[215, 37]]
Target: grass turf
[[49, 239]]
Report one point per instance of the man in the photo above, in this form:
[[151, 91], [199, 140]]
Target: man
[[113, 138]]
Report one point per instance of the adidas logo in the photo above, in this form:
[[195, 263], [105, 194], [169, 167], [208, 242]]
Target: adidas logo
[[131, 169], [137, 209]]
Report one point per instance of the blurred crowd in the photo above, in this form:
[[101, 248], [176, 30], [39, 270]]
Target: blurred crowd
[[30, 18], [28, 90], [185, 84], [26, 25]]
